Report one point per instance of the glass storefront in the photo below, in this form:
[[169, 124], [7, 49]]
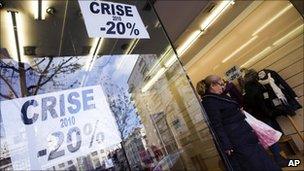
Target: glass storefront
[[108, 92], [72, 102]]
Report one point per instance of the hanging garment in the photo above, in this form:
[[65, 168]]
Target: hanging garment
[[255, 103], [282, 98], [269, 80]]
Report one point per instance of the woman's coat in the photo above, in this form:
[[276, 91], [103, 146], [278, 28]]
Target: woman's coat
[[233, 132]]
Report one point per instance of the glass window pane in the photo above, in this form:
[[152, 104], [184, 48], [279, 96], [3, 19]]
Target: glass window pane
[[95, 103]]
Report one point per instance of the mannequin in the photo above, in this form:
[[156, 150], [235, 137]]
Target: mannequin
[[282, 99]]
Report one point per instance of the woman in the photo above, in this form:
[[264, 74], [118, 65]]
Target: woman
[[235, 135]]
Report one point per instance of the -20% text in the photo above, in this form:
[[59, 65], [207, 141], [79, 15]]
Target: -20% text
[[120, 28]]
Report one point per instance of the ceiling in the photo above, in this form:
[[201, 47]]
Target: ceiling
[[176, 16], [63, 33], [231, 41]]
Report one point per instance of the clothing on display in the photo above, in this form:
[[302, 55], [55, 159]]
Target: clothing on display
[[267, 95], [281, 96], [254, 101], [269, 80]]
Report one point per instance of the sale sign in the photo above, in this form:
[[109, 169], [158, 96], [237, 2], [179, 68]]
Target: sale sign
[[112, 20], [48, 129]]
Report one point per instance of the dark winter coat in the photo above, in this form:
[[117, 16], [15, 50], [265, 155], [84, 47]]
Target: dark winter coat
[[233, 132], [290, 95], [261, 106], [255, 103]]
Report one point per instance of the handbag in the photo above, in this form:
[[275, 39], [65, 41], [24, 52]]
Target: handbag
[[266, 134]]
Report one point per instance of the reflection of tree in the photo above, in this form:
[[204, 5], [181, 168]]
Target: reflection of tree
[[121, 106], [122, 109], [50, 74], [32, 78]]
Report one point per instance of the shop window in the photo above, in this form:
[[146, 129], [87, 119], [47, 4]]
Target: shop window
[[61, 165], [82, 95], [94, 153], [70, 162]]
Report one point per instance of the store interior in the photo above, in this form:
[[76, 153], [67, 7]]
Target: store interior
[[247, 34], [265, 35]]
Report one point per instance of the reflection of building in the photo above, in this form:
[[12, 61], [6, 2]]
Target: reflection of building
[[4, 152], [4, 157], [164, 132], [135, 81], [135, 146], [121, 161], [94, 161], [68, 165], [172, 117]]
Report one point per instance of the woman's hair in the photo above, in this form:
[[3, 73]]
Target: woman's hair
[[204, 85], [250, 75]]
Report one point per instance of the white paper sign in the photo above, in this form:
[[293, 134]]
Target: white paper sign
[[45, 130], [112, 20], [233, 73]]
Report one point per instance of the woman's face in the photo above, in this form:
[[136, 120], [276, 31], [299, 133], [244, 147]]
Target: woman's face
[[217, 87]]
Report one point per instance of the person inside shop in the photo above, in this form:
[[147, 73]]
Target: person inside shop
[[236, 138], [267, 96], [232, 91]]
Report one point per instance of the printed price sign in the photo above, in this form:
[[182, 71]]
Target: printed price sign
[[45, 130], [233, 73], [112, 20]]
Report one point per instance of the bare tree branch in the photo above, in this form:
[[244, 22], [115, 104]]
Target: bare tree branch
[[48, 79], [36, 64], [12, 76], [9, 85], [5, 65], [5, 96], [43, 74]]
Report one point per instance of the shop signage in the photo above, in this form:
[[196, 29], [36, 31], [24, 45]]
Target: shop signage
[[45, 130], [112, 20], [233, 73]]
